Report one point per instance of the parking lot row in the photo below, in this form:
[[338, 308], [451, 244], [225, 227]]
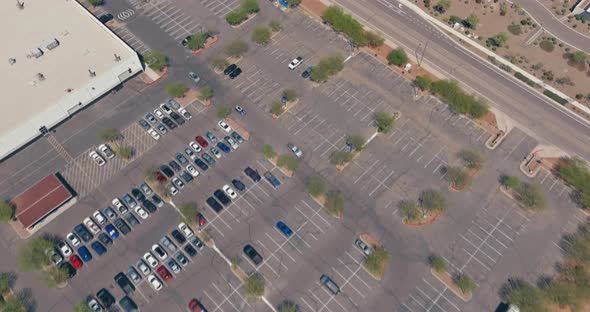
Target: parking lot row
[[171, 19], [221, 7]]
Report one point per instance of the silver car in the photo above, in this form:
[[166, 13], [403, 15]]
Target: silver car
[[165, 241], [134, 275], [194, 77], [144, 268]]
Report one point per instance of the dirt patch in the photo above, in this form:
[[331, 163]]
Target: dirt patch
[[189, 97], [285, 171], [234, 124], [313, 7], [428, 218]]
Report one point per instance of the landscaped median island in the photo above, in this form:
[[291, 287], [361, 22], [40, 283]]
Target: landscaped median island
[[431, 204], [460, 284], [529, 196], [246, 11], [288, 99], [575, 172], [354, 145], [332, 201], [459, 177], [376, 262], [287, 163], [157, 62], [200, 42]]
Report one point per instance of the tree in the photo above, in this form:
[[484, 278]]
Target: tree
[[293, 3], [503, 9], [357, 141], [375, 262], [527, 297], [205, 93], [339, 158], [442, 6], [150, 173], [576, 173], [345, 23], [577, 245], [438, 263], [82, 306], [275, 26], [15, 304], [6, 211], [125, 151], [326, 68], [409, 210], [465, 283], [219, 63], [261, 35], [250, 6], [498, 40], [197, 41], [385, 121], [397, 57], [532, 196], [32, 257], [236, 16], [289, 94], [432, 200], [96, 2], [315, 186], [458, 100], [268, 151], [577, 58], [471, 21], [188, 211], [457, 177], [236, 48], [176, 89], [109, 135], [254, 286], [374, 40], [510, 182], [472, 159], [235, 262], [422, 82], [223, 111], [5, 282], [155, 60], [288, 161], [288, 306], [276, 108], [55, 276], [335, 203]]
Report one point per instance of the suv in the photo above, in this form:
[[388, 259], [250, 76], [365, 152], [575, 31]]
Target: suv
[[105, 297], [165, 241], [128, 304], [329, 283], [124, 283], [83, 233], [214, 204], [252, 254], [253, 174]]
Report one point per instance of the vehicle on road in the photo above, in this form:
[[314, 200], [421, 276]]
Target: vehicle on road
[[64, 248], [150, 259], [252, 174], [225, 127], [295, 62], [229, 69], [97, 158], [184, 228], [239, 185], [216, 206], [329, 283], [298, 153], [253, 255], [363, 247], [240, 110], [194, 77], [283, 228], [201, 141], [128, 305], [272, 179], [106, 298], [106, 151], [229, 191], [73, 239], [83, 233], [154, 282]]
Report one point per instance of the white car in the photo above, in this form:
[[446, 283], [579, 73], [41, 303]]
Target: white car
[[159, 251], [184, 113], [99, 217], [295, 62], [91, 226], [225, 127], [150, 259], [73, 239], [159, 113], [154, 282], [194, 77], [106, 151], [65, 249], [145, 270], [141, 212], [97, 158], [172, 189], [178, 182], [234, 145], [298, 153], [189, 152], [165, 108], [94, 305], [119, 205], [195, 146], [153, 133], [192, 170], [186, 230], [229, 191]]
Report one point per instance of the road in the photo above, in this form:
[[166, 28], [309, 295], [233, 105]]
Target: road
[[553, 25], [527, 108]]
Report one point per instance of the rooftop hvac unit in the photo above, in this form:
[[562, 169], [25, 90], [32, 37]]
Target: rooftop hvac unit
[[53, 44], [37, 53]]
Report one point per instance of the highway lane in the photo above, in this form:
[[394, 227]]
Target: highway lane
[[553, 25], [540, 118]]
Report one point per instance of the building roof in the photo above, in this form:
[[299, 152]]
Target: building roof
[[48, 52], [39, 200]]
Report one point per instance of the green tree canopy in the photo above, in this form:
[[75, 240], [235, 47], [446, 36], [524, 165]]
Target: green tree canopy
[[457, 177], [385, 121], [409, 210], [397, 57], [471, 158], [511, 182], [290, 94], [205, 93], [125, 151], [109, 135], [358, 141], [275, 25], [268, 151], [335, 203], [223, 111], [188, 211], [6, 211], [465, 283], [176, 89], [261, 34], [422, 82], [155, 60], [32, 257], [326, 68], [339, 158], [375, 262], [527, 297], [276, 108], [288, 161], [287, 305], [432, 200], [315, 186], [197, 41], [532, 196], [254, 286], [55, 276], [345, 23], [438, 263]]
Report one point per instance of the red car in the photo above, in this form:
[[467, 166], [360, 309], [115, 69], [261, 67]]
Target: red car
[[201, 141], [164, 273], [201, 219], [195, 306], [160, 177], [76, 262]]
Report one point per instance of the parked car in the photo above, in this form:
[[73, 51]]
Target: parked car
[[164, 273], [174, 165], [229, 69], [153, 134], [237, 137], [105, 18], [181, 258], [109, 212], [167, 171], [298, 153], [94, 305], [211, 136], [194, 77], [363, 247], [157, 250], [201, 164], [97, 158], [210, 161], [128, 305], [272, 179], [154, 282], [131, 219], [106, 298], [76, 261], [54, 256], [179, 184], [252, 174], [137, 194], [229, 191], [106, 151], [197, 242], [98, 248], [234, 145], [177, 118], [195, 306], [235, 73], [159, 113], [143, 267], [142, 123], [165, 108], [129, 201], [105, 239], [99, 217], [188, 178], [167, 243], [222, 197], [222, 146], [169, 123], [173, 103], [239, 185], [240, 110], [110, 229], [189, 152], [225, 127], [73, 239], [329, 283], [84, 254], [83, 233], [91, 225], [295, 62], [149, 206], [184, 228], [150, 259], [307, 72], [172, 190], [183, 161], [201, 220], [146, 189], [122, 226], [133, 275], [157, 200], [172, 264], [178, 237], [253, 255], [141, 212], [216, 206], [64, 248], [151, 118], [201, 141], [195, 146], [192, 170], [215, 152], [283, 228], [119, 205]]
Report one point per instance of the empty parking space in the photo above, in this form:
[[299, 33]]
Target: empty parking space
[[171, 19], [255, 84], [553, 184], [225, 294], [431, 295], [369, 174], [131, 39], [221, 7]]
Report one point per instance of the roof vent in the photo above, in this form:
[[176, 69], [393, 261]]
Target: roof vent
[[20, 5], [53, 44], [37, 53], [11, 61]]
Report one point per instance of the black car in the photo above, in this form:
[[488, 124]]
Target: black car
[[123, 282], [190, 250], [128, 305], [149, 206], [69, 268], [178, 237], [104, 239], [105, 297], [175, 165], [215, 205], [181, 159], [252, 254], [238, 185], [228, 70], [253, 174], [105, 18], [222, 197], [185, 41], [144, 124], [137, 194], [305, 74], [81, 231], [122, 226], [169, 123], [201, 164], [179, 120], [167, 171], [186, 176], [235, 73], [157, 200], [131, 219]]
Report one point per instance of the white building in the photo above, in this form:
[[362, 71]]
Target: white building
[[55, 59]]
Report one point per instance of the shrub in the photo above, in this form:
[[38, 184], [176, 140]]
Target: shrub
[[515, 29], [458, 100], [254, 286], [235, 262], [357, 141], [397, 57], [6, 211], [375, 262], [511, 182], [555, 97], [503, 9], [423, 82], [109, 135], [472, 159], [524, 78], [326, 68], [82, 306], [547, 46], [293, 3], [223, 111], [205, 93], [236, 48], [5, 282], [431, 200], [576, 173], [374, 40], [315, 186], [275, 25], [577, 58], [289, 94], [335, 203], [342, 22], [155, 60], [250, 6], [439, 264], [125, 151], [442, 6], [276, 108], [498, 40], [188, 212], [465, 283], [288, 161], [219, 63], [532, 196], [261, 35], [427, 4], [197, 41], [268, 151], [385, 121], [287, 306], [55, 276], [471, 21], [457, 177], [527, 297], [339, 158], [236, 16], [176, 89], [410, 210]]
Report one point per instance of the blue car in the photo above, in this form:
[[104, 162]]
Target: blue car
[[98, 248], [284, 229], [222, 146], [84, 254], [272, 179], [110, 229], [211, 137]]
